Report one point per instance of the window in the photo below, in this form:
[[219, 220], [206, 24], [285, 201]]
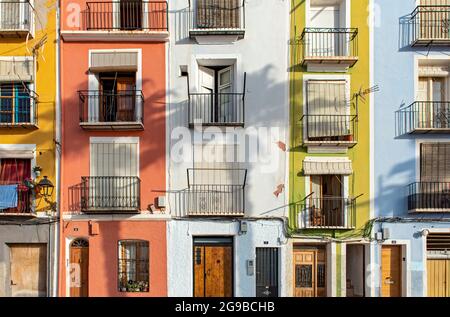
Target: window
[[15, 172], [15, 15], [15, 103], [131, 14], [328, 111], [133, 266], [117, 97], [435, 162], [218, 14]]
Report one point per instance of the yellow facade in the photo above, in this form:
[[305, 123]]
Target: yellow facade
[[43, 44]]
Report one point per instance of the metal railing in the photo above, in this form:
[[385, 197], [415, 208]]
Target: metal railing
[[216, 15], [327, 43], [126, 16], [24, 201], [217, 109], [425, 115], [215, 192], [110, 193], [429, 196], [98, 106], [15, 16], [333, 212], [18, 108], [324, 128], [430, 23]]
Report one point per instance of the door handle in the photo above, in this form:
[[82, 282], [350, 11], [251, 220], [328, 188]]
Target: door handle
[[389, 281], [12, 283]]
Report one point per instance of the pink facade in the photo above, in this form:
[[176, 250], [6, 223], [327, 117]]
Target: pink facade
[[146, 73]]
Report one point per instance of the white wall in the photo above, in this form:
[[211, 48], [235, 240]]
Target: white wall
[[263, 55], [263, 233]]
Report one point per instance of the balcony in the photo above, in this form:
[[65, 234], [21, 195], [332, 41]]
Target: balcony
[[330, 130], [110, 194], [15, 19], [323, 46], [429, 197], [423, 117], [24, 203], [217, 109], [215, 193], [18, 109], [216, 20], [327, 213], [430, 25], [121, 21], [122, 110]]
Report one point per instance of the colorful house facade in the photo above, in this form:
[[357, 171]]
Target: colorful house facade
[[411, 149], [28, 150], [113, 83], [227, 136], [329, 189]]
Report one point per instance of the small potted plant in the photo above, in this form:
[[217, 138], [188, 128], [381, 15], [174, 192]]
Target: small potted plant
[[37, 170]]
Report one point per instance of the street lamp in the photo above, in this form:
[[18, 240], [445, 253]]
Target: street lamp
[[46, 187]]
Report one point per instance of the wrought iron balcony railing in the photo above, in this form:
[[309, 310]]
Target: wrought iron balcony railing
[[15, 18], [325, 45], [429, 197], [425, 117], [327, 213], [109, 194], [430, 25], [120, 110], [126, 16], [217, 17], [24, 202], [331, 129], [214, 192], [18, 108], [217, 109]]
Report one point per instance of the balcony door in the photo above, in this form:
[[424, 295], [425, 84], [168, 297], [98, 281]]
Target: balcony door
[[217, 104], [432, 109], [326, 202], [131, 15], [117, 97], [218, 14], [434, 20], [325, 44], [114, 183]]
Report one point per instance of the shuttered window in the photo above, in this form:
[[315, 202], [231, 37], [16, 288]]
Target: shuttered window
[[435, 162], [327, 107], [114, 158], [114, 61], [218, 14]]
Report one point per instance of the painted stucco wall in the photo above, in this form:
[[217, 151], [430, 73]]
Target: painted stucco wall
[[262, 233], [28, 234], [103, 255], [396, 156], [359, 155]]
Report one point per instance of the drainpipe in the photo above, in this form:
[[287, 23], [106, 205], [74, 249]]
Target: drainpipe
[[57, 154]]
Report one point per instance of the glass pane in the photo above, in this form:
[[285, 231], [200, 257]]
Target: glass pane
[[303, 276], [321, 275], [225, 78]]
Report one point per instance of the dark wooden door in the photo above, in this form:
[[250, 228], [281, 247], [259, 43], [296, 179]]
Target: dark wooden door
[[391, 271], [267, 272], [79, 271], [213, 271], [126, 99]]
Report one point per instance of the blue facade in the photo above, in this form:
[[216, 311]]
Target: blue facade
[[396, 153]]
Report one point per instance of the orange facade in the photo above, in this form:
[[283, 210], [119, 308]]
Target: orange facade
[[103, 231]]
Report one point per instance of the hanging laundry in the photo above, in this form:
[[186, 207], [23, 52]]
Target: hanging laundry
[[8, 196]]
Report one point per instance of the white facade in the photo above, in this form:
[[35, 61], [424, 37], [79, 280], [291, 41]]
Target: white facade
[[262, 54]]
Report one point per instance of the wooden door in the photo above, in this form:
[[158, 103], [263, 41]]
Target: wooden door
[[391, 271], [79, 269], [126, 99], [213, 271], [438, 271], [28, 270], [310, 273]]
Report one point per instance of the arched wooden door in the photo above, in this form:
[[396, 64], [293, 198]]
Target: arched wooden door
[[79, 268]]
